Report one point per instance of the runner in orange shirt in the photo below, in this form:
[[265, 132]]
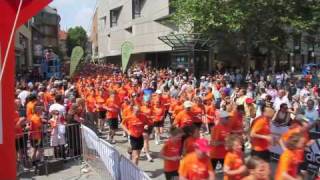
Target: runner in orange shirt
[[197, 165], [258, 169], [289, 161], [158, 113], [171, 153], [299, 125], [198, 111], [210, 115], [234, 167], [146, 111], [100, 101], [185, 117], [134, 125], [191, 137], [113, 109], [91, 107], [261, 136], [218, 135]]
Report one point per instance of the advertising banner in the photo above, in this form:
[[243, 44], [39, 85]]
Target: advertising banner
[[126, 51], [77, 54]]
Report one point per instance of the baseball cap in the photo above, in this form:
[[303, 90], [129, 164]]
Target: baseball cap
[[203, 145], [187, 104], [158, 91]]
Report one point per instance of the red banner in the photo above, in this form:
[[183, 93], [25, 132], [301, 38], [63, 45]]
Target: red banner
[[8, 13]]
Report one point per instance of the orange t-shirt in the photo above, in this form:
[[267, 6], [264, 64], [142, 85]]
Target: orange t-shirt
[[171, 149], [177, 109], [36, 127], [260, 126], [193, 168], [219, 133], [233, 161], [158, 113], [210, 114], [135, 125], [183, 119], [147, 113], [91, 103], [189, 146], [197, 112], [18, 128], [166, 101], [113, 108], [288, 163], [30, 109], [236, 121], [100, 102]]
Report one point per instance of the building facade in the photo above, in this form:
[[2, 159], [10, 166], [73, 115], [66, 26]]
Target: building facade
[[45, 33], [141, 22], [23, 48], [94, 36]]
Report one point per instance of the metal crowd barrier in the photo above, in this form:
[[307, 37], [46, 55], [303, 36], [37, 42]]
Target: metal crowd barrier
[[48, 159], [106, 160]]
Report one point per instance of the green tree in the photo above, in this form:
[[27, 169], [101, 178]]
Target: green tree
[[249, 24], [77, 36]]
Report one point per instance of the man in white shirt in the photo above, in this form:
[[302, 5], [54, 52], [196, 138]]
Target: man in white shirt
[[281, 99], [23, 95], [311, 113]]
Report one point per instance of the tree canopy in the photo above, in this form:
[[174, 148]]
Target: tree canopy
[[77, 36], [252, 23]]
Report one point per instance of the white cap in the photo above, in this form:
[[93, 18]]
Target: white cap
[[202, 77], [187, 104], [158, 91]]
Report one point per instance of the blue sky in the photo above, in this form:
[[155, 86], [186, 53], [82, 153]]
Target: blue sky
[[75, 13]]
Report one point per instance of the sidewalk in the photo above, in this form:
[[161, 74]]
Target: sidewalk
[[72, 172]]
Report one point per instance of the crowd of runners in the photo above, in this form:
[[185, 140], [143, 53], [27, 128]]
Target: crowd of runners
[[221, 121]]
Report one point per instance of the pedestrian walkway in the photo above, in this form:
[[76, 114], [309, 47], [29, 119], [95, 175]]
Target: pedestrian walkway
[[73, 171]]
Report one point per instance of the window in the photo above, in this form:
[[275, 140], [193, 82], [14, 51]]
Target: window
[[114, 16], [137, 8]]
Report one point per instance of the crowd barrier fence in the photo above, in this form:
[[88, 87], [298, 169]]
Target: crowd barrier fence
[[48, 159], [106, 160]]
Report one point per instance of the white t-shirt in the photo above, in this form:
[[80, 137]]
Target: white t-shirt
[[278, 101], [23, 96]]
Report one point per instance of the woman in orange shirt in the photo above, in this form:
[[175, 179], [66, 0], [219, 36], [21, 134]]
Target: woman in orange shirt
[[289, 159], [210, 115], [171, 153], [146, 111], [218, 135], [36, 134], [192, 134], [158, 113], [100, 101], [197, 165], [113, 109], [234, 167], [198, 112], [134, 125]]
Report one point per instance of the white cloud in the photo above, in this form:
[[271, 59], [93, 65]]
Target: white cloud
[[75, 12]]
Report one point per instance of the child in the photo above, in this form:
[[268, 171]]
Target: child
[[234, 167], [171, 153], [289, 159], [258, 169]]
